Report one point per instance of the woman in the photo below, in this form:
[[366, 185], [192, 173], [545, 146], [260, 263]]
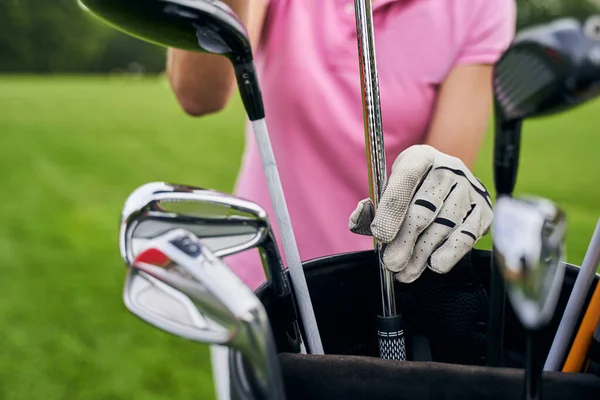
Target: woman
[[434, 64]]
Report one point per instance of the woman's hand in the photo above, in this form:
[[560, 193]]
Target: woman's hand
[[430, 215]]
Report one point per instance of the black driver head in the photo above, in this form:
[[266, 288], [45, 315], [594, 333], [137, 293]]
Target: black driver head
[[194, 25], [548, 69], [205, 26]]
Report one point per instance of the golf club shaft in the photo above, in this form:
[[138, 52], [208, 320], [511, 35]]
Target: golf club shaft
[[262, 354], [390, 332], [497, 302], [507, 147], [533, 369], [281, 287], [581, 344], [572, 312], [506, 162], [290, 248]]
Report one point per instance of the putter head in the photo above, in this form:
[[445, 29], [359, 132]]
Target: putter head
[[194, 25], [225, 223], [547, 69], [528, 240]]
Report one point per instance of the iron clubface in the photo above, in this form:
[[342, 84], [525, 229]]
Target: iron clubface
[[226, 224], [528, 240], [210, 26], [168, 309], [177, 266]]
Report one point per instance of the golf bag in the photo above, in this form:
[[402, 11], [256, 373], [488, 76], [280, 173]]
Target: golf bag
[[445, 319]]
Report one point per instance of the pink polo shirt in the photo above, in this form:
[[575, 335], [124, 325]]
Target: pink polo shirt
[[308, 70]]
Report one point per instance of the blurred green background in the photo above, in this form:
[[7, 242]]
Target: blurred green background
[[86, 115]]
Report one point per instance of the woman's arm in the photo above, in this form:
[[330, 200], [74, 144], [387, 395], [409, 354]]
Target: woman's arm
[[464, 104], [462, 112], [203, 83]]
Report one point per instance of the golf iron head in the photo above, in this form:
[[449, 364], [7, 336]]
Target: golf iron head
[[528, 240], [176, 284], [168, 309], [226, 224]]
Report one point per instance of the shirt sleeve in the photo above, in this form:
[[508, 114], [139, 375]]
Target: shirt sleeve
[[491, 26]]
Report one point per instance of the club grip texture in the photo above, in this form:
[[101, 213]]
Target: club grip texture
[[392, 344]]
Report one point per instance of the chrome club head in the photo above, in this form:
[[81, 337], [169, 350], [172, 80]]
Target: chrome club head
[[234, 316], [528, 237], [169, 310], [226, 224]]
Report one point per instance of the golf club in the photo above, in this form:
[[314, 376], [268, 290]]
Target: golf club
[[577, 299], [210, 26], [548, 69], [529, 236], [576, 357], [182, 262], [168, 309], [390, 324], [226, 224], [171, 311]]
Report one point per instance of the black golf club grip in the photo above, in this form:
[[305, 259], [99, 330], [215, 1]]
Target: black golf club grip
[[495, 328], [392, 344]]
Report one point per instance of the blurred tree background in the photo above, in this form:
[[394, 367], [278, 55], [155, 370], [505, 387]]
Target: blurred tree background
[[57, 37]]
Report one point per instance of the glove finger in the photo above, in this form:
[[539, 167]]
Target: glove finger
[[461, 241], [412, 269], [361, 218], [421, 213], [408, 172], [451, 214]]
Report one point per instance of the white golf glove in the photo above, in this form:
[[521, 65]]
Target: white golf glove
[[431, 213]]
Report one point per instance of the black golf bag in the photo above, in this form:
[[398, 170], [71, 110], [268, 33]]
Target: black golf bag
[[445, 318]]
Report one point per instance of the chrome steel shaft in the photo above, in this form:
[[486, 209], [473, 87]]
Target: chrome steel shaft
[[373, 131], [390, 330]]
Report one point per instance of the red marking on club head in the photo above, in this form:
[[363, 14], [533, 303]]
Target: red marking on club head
[[153, 256]]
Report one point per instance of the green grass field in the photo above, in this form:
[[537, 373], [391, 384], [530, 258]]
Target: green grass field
[[68, 149]]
